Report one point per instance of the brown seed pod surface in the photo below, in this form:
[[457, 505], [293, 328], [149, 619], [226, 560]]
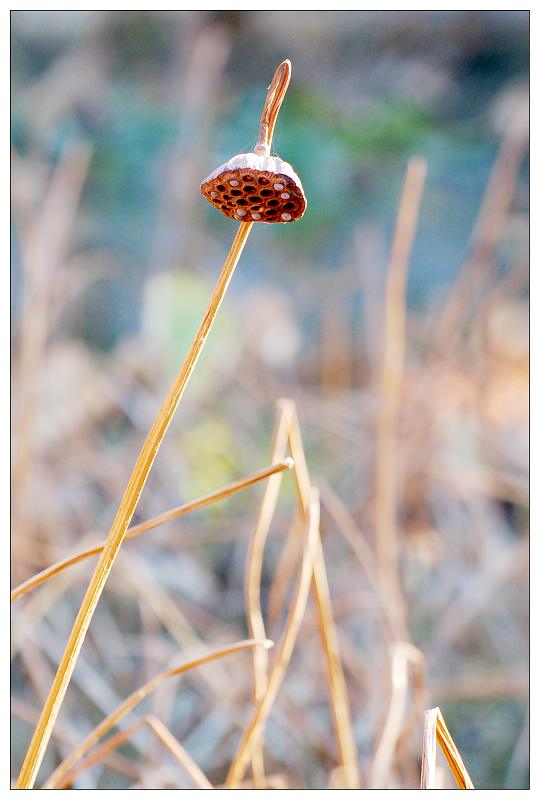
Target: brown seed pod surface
[[255, 188]]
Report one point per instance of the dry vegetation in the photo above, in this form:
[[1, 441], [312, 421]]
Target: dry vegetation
[[379, 578]]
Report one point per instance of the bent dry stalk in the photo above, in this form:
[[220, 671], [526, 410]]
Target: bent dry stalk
[[436, 731], [137, 481], [144, 527], [139, 695]]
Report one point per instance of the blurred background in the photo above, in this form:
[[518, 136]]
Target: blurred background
[[117, 117]]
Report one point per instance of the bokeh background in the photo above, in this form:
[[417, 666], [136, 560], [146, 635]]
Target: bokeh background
[[116, 119]]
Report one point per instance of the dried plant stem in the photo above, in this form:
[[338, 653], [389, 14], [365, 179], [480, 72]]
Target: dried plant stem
[[163, 734], [44, 227], [178, 752], [274, 99], [393, 358], [253, 583], [287, 433], [339, 699], [340, 707], [123, 517], [435, 730], [136, 697], [44, 239], [428, 773], [283, 653], [403, 653], [143, 527], [66, 736], [489, 229]]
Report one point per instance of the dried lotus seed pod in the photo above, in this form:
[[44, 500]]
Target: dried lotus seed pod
[[252, 187], [258, 187]]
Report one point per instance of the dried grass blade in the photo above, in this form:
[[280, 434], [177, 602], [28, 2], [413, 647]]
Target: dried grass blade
[[339, 699], [143, 527], [100, 753], [252, 589], [283, 654], [393, 359], [455, 762], [178, 752], [489, 229], [137, 697], [428, 777], [402, 654], [162, 733]]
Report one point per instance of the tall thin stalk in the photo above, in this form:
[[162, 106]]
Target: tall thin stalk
[[137, 481], [393, 360], [42, 733]]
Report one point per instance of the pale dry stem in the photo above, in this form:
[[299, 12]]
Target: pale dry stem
[[339, 699], [393, 361], [403, 653], [253, 576], [137, 697], [162, 733], [283, 653], [436, 731], [143, 527]]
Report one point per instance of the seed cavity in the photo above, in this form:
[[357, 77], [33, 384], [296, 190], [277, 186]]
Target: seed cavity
[[286, 217], [234, 183], [220, 188], [262, 181], [285, 195], [213, 194], [278, 186], [257, 216], [249, 188], [241, 212]]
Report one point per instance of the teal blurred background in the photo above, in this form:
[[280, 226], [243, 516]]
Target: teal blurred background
[[163, 98], [138, 107]]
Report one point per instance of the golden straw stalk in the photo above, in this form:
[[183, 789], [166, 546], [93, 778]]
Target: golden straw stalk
[[137, 481], [284, 652], [252, 589], [143, 527], [435, 730], [121, 522]]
